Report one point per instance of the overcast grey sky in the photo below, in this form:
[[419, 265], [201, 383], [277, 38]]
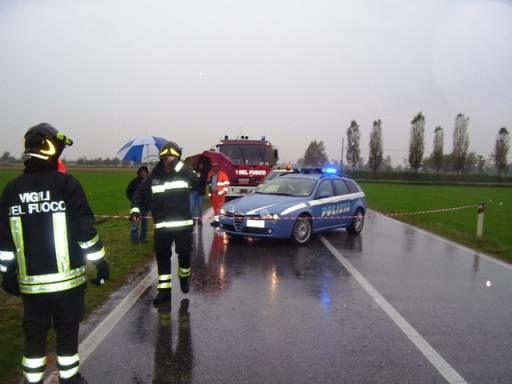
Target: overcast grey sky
[[106, 71]]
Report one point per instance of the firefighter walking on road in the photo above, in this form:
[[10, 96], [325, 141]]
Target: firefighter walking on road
[[46, 235], [167, 191], [218, 185]]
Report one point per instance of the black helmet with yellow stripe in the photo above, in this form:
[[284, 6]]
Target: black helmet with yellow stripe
[[170, 149], [44, 142]]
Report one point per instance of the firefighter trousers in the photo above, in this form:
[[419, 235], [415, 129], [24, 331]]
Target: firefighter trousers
[[182, 240], [64, 310]]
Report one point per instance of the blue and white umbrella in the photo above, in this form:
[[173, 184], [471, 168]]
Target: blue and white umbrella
[[142, 149]]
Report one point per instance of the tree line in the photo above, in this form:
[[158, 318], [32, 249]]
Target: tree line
[[459, 160], [81, 161]]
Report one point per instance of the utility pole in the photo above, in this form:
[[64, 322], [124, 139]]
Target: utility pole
[[342, 149]]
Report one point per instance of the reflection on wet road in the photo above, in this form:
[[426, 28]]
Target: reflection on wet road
[[271, 312]]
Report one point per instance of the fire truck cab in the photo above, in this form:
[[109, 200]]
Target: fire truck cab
[[252, 161], [246, 162]]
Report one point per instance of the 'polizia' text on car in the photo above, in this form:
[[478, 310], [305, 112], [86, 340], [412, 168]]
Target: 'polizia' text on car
[[297, 204]]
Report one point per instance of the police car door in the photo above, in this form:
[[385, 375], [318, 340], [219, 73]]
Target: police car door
[[344, 204], [323, 204]]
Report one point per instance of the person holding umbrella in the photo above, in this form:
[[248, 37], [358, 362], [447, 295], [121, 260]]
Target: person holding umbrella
[[167, 191]]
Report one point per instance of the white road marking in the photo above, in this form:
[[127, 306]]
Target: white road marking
[[87, 346], [90, 343], [444, 368]]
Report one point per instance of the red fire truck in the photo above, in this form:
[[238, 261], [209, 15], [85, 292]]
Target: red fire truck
[[245, 161]]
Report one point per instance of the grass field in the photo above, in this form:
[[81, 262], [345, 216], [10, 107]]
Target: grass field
[[106, 194], [459, 226], [105, 189]]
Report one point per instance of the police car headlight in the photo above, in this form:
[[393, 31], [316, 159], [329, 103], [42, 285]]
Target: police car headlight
[[270, 216], [222, 211]]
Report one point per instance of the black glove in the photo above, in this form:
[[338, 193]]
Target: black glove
[[10, 284], [102, 273]]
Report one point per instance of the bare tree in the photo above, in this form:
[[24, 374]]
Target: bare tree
[[416, 142], [376, 155], [460, 143], [437, 153], [501, 150], [353, 150]]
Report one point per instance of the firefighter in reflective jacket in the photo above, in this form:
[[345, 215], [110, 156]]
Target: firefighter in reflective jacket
[[218, 185], [46, 235], [167, 192]]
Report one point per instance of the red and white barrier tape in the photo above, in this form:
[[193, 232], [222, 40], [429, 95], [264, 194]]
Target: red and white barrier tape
[[397, 214]]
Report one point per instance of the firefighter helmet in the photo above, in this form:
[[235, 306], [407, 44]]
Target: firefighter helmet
[[170, 149], [45, 142]]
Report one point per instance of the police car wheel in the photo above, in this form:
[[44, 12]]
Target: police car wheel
[[302, 230], [357, 223]]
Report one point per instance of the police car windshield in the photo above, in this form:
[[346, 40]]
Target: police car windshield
[[273, 174], [288, 186]]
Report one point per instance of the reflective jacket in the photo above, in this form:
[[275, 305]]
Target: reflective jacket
[[222, 185], [168, 196], [47, 231]]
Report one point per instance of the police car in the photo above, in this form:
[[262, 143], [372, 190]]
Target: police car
[[297, 204]]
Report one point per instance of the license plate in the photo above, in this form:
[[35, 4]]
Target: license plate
[[255, 223]]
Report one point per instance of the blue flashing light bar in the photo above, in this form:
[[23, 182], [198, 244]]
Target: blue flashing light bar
[[330, 170], [327, 169]]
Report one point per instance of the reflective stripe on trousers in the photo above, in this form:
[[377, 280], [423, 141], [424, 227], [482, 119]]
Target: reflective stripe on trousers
[[68, 366], [164, 281], [184, 272], [33, 368]]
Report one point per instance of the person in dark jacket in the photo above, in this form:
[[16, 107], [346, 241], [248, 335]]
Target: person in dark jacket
[[46, 235], [142, 173], [167, 191]]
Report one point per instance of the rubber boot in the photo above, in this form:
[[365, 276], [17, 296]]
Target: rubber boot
[[163, 296], [77, 379], [184, 284]]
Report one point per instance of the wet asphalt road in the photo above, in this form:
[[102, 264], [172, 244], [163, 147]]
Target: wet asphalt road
[[271, 312]]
